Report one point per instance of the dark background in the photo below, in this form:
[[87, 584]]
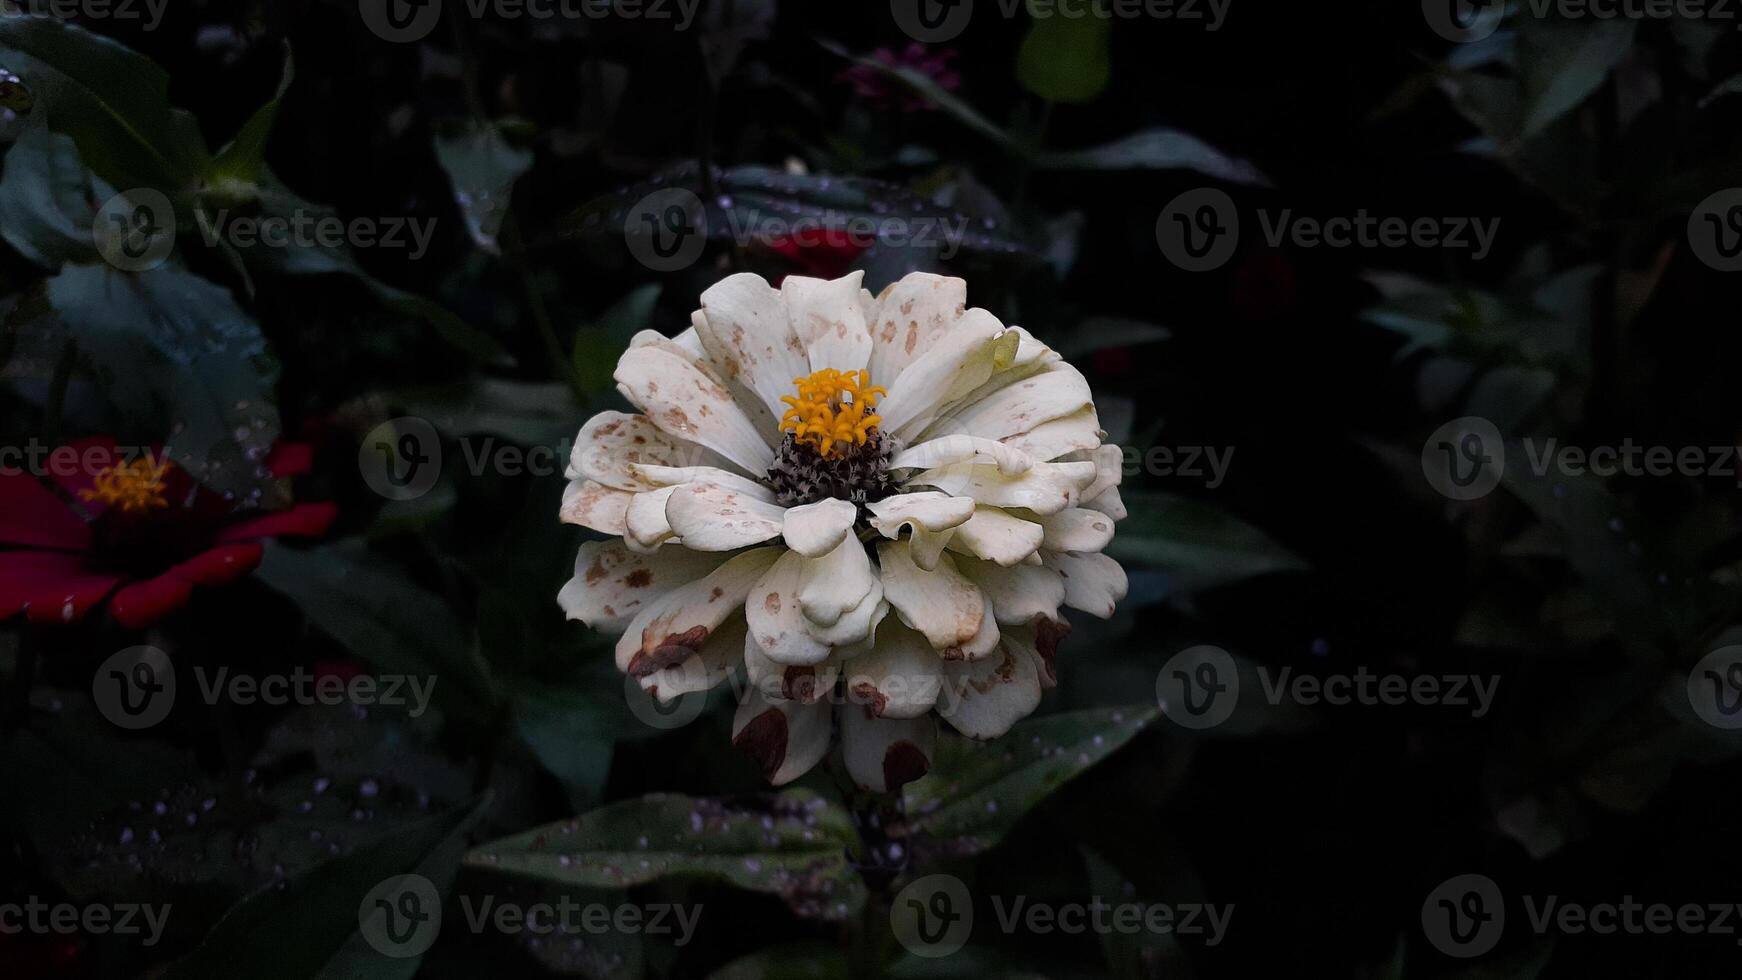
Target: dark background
[[1324, 828]]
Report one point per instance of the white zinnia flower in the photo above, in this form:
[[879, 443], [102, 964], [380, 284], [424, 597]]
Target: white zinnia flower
[[812, 458]]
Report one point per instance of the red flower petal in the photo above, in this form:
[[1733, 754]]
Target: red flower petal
[[290, 459], [303, 520], [32, 516], [49, 586], [140, 604], [225, 563]]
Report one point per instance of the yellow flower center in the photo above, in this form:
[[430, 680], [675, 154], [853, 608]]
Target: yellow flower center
[[132, 488], [832, 411]]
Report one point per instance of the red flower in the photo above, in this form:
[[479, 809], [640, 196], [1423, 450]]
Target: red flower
[[877, 88], [830, 258], [146, 536]]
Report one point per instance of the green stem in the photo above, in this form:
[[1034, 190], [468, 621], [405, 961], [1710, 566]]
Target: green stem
[[514, 250], [54, 410]]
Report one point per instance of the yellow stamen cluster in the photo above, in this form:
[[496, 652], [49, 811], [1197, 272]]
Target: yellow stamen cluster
[[833, 409], [132, 488]]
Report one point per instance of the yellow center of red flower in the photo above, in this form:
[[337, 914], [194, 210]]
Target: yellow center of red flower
[[833, 410], [131, 488]]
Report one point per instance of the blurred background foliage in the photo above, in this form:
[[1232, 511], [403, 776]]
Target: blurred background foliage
[[1058, 143]]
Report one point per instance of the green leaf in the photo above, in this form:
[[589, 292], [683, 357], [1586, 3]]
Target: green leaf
[[1200, 546], [46, 200], [571, 730], [1065, 59], [1562, 63], [242, 161], [598, 345], [1608, 545], [114, 102], [307, 928], [276, 200], [1157, 149], [388, 621], [792, 845], [977, 792], [170, 346], [795, 961], [483, 168]]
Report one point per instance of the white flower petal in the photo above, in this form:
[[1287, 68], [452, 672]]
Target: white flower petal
[[948, 449], [1046, 489], [686, 402], [1109, 470], [959, 362], [1075, 432], [785, 682], [656, 476], [897, 679], [992, 694], [611, 441], [777, 624], [1019, 593], [998, 536], [1014, 409], [595, 505], [702, 670], [1093, 583], [884, 754], [674, 626], [745, 329], [911, 315], [837, 583], [1077, 529], [646, 527], [932, 516], [942, 604], [827, 317], [857, 629], [814, 530], [784, 738], [612, 583], [1109, 503], [710, 518]]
